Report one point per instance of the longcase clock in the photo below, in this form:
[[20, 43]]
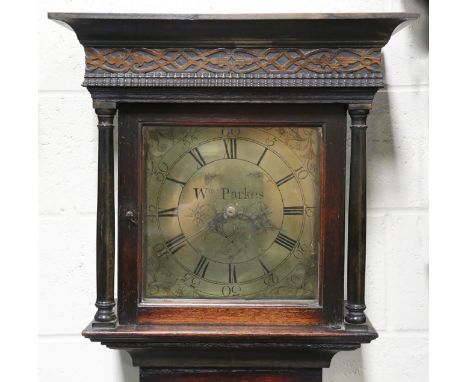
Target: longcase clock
[[231, 188]]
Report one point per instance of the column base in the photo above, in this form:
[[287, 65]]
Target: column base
[[355, 313]]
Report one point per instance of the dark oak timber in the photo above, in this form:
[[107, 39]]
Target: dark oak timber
[[105, 239], [127, 228], [240, 70], [236, 375], [253, 346], [357, 216], [240, 95], [234, 30]]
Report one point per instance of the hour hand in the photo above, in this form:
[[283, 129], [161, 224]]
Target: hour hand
[[213, 224]]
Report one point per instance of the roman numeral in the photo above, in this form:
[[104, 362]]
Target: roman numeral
[[285, 241], [287, 178], [296, 210], [176, 243], [230, 145], [261, 156], [176, 181], [197, 156], [265, 269], [167, 213], [232, 274], [200, 269]]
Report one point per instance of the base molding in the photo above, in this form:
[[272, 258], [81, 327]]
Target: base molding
[[240, 347], [229, 375], [232, 353], [230, 356]]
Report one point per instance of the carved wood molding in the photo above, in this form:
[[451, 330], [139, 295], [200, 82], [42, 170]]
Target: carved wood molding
[[236, 67]]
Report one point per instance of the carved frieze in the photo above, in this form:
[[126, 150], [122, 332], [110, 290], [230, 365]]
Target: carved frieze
[[236, 67]]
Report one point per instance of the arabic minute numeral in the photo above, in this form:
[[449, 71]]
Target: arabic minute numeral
[[161, 170], [230, 290], [310, 211], [161, 250], [230, 131], [271, 280], [191, 281]]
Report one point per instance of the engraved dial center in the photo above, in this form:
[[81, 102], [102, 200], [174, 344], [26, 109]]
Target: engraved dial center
[[239, 204]]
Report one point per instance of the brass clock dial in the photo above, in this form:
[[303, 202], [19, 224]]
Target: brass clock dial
[[231, 212]]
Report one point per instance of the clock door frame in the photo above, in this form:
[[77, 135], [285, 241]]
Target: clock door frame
[[329, 311]]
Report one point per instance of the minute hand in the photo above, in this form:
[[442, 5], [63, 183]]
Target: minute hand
[[198, 232]]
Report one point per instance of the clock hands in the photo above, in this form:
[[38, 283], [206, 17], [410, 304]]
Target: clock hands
[[217, 225], [259, 221], [214, 224], [199, 232]]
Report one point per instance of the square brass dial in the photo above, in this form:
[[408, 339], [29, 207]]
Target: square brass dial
[[231, 212]]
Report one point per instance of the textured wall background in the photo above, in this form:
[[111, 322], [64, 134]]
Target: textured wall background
[[397, 198]]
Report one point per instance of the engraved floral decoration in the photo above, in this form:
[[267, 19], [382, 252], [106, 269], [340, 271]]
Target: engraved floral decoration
[[161, 280], [300, 281], [158, 276], [304, 143], [162, 139], [200, 214]]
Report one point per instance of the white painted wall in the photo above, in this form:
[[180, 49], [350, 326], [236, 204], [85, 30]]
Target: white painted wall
[[397, 286]]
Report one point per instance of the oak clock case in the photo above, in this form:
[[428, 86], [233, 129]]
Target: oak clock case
[[231, 143]]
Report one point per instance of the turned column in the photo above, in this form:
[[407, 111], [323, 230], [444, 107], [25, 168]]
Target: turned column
[[355, 303], [105, 233]]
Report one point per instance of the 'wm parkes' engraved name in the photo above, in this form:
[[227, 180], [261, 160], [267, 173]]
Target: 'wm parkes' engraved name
[[226, 193]]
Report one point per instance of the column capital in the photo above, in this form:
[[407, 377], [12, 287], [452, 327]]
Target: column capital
[[358, 114], [359, 106], [98, 104]]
